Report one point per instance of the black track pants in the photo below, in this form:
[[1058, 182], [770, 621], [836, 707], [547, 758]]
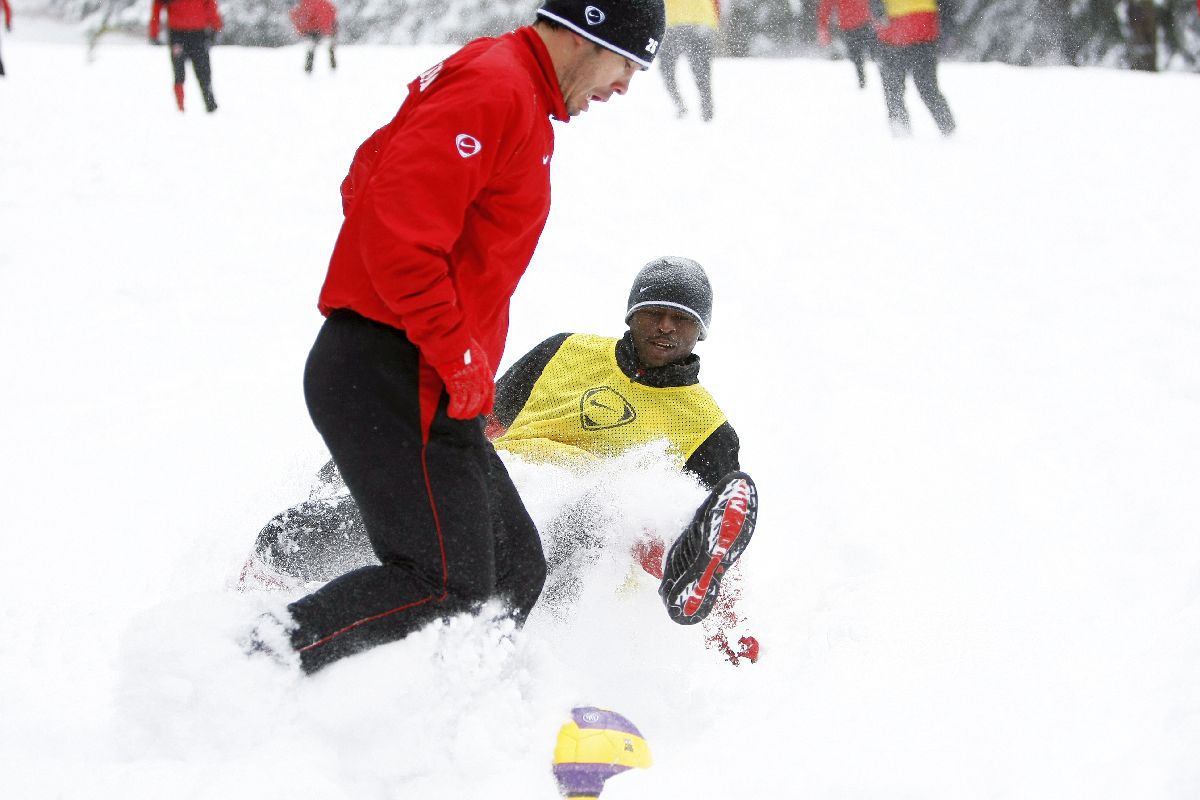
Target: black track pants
[[319, 540], [191, 46], [314, 40], [919, 60], [860, 43], [428, 488], [696, 42]]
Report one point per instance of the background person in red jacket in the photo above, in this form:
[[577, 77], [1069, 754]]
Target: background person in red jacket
[[314, 19], [7, 26], [858, 31], [443, 209], [191, 25], [908, 46]]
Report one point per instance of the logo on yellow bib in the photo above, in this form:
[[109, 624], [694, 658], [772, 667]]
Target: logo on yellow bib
[[604, 407]]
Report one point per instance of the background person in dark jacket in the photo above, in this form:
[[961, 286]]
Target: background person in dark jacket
[[443, 209], [191, 25], [908, 46], [314, 19]]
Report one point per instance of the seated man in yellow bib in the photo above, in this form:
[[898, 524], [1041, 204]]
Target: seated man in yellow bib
[[579, 396]]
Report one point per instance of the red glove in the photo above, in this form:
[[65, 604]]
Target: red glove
[[747, 648], [469, 383], [649, 553], [492, 428]]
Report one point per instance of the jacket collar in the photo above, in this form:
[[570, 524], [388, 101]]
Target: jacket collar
[[681, 373], [544, 72]]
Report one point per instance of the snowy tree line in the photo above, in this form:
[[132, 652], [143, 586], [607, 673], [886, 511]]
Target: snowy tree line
[[1141, 34], [265, 23]]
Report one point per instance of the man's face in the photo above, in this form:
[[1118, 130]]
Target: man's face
[[663, 335], [594, 74]]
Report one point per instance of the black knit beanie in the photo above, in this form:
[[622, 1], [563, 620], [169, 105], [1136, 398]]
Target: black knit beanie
[[675, 282], [631, 28]]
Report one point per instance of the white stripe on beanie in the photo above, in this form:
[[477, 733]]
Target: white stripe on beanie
[[669, 304], [607, 45]]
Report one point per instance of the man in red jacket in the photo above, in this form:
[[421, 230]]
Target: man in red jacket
[[7, 26], [312, 20], [909, 46], [858, 31], [443, 208], [191, 25]]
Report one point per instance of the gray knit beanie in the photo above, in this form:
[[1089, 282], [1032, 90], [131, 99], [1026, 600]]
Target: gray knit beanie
[[675, 282]]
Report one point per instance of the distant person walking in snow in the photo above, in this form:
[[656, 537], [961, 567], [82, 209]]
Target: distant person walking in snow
[[857, 29], [313, 20], [7, 26], [909, 41], [691, 32], [191, 26], [443, 209]]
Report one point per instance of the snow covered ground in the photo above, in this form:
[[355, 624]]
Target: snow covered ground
[[964, 374]]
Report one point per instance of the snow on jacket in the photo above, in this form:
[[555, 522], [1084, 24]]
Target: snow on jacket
[[692, 12], [314, 16], [851, 14], [186, 15], [445, 204], [910, 22]]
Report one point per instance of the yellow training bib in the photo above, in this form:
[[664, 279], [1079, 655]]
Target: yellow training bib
[[901, 8], [584, 406], [692, 12]]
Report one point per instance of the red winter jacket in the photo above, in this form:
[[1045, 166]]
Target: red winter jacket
[[851, 14], [8, 13], [910, 22], [314, 16], [186, 15], [445, 204]]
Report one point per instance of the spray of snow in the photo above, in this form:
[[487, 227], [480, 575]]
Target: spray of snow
[[963, 374]]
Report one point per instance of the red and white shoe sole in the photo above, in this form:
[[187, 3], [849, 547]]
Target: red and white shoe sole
[[728, 536]]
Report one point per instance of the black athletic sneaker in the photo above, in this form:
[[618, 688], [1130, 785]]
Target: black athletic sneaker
[[703, 553]]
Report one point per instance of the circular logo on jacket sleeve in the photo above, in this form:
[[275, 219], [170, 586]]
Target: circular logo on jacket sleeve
[[467, 145]]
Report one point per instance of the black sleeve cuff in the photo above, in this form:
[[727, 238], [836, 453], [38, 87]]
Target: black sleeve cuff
[[716, 457]]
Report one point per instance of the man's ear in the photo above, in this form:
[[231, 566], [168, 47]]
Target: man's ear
[[578, 43]]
